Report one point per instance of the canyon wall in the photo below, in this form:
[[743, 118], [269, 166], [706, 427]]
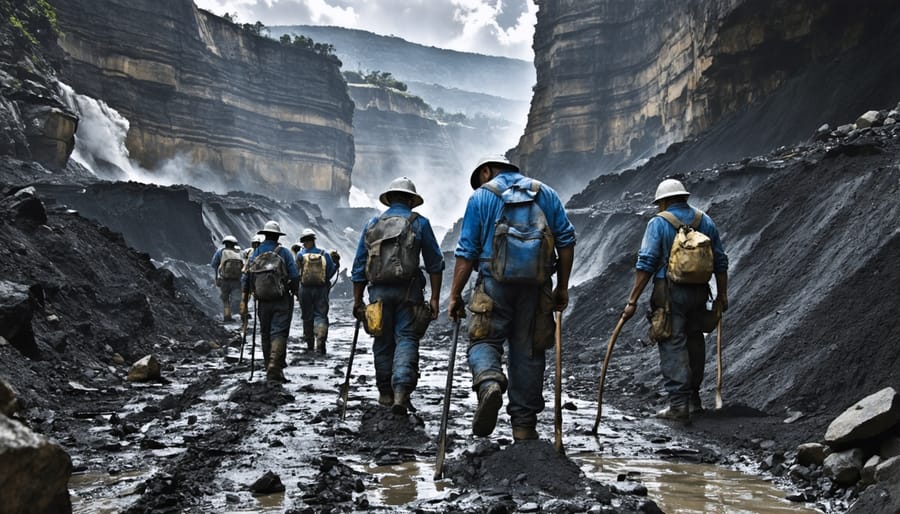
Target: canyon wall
[[618, 82], [259, 115]]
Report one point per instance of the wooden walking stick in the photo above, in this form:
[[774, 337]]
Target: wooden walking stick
[[557, 400], [345, 391], [442, 435], [609, 349], [719, 359]]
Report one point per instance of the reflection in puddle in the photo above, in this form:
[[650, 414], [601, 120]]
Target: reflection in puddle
[[102, 493], [682, 488], [404, 483]]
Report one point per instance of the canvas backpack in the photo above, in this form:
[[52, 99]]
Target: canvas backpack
[[231, 265], [269, 274], [393, 251], [313, 269], [523, 244], [691, 258]]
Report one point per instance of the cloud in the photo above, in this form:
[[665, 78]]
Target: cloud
[[494, 27]]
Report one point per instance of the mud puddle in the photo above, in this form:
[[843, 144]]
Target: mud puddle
[[210, 452]]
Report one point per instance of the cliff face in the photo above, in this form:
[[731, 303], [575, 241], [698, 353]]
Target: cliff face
[[34, 123], [620, 81], [263, 116]]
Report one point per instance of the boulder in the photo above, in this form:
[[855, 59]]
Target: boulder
[[869, 119], [34, 472], [267, 484], [9, 404], [844, 467], [867, 475], [843, 130], [888, 471], [147, 368], [812, 453], [16, 312], [869, 417]]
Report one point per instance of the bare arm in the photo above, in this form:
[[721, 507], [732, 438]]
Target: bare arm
[[436, 280], [722, 291], [641, 278], [462, 270], [561, 293]]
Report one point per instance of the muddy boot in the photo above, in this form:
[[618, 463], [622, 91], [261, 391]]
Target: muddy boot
[[696, 406], [310, 342], [401, 402], [675, 413], [227, 313], [274, 369], [524, 433], [490, 398], [321, 336], [386, 398]]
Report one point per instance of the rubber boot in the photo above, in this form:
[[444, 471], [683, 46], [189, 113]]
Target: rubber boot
[[524, 433], [320, 345], [227, 313], [309, 335], [386, 398], [490, 398], [321, 337], [675, 413], [401, 401], [274, 370], [696, 405]]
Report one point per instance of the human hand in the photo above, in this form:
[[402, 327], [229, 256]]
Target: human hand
[[560, 298], [457, 308]]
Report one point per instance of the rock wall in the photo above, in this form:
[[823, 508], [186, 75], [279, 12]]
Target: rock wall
[[620, 81], [265, 117], [34, 123]]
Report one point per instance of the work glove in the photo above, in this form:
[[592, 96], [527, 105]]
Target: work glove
[[359, 311]]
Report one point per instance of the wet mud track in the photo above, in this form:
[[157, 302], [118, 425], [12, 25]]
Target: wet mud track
[[210, 440]]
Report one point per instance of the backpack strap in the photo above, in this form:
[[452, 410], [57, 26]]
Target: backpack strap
[[493, 187], [677, 223]]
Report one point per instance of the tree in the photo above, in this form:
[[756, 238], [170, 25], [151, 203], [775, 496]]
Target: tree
[[285, 39]]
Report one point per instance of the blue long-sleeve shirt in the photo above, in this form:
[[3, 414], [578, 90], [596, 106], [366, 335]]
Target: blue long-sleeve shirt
[[286, 256], [484, 209], [657, 243], [431, 251], [330, 267]]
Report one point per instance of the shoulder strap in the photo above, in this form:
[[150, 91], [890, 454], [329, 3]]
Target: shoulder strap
[[671, 218], [493, 187], [698, 217]]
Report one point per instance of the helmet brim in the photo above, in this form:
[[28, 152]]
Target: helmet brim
[[473, 178], [417, 199]]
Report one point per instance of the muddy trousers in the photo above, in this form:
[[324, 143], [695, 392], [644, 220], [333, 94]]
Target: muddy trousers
[[230, 294], [314, 312], [274, 321], [396, 350], [682, 358], [511, 321]]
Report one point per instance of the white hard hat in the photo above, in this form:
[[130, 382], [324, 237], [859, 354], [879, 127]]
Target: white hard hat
[[271, 227], [229, 239], [493, 159], [668, 188], [307, 232], [258, 238], [402, 185]]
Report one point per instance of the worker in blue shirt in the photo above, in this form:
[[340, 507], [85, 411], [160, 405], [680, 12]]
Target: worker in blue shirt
[[682, 356], [520, 310], [272, 277], [316, 268], [228, 265], [387, 259]]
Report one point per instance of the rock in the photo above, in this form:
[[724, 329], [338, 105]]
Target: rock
[[267, 484], [16, 312], [629, 487], [823, 132], [867, 476], [888, 471], [34, 472], [799, 472], [868, 418], [884, 495], [845, 466], [869, 119], [147, 368], [843, 130], [529, 507], [118, 359], [890, 447], [889, 121], [9, 404], [812, 453]]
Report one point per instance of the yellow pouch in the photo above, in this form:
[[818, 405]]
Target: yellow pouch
[[374, 318], [660, 325]]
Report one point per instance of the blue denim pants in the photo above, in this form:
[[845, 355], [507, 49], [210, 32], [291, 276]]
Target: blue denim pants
[[230, 293], [314, 309], [512, 317], [396, 350], [274, 321], [682, 358]]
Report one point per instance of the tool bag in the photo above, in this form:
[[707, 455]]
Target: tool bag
[[522, 247], [691, 257]]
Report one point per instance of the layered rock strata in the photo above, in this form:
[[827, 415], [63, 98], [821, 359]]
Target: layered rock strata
[[620, 81], [263, 116]]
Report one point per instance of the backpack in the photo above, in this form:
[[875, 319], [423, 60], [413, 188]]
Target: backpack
[[393, 252], [691, 258], [231, 265], [313, 269], [523, 245], [269, 274]]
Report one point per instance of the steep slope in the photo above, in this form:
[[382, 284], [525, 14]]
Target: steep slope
[[619, 82], [258, 115]]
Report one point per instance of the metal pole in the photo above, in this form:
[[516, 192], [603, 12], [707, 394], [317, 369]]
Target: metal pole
[[442, 435], [345, 391]]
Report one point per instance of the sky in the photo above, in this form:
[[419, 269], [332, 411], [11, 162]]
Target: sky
[[493, 27]]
